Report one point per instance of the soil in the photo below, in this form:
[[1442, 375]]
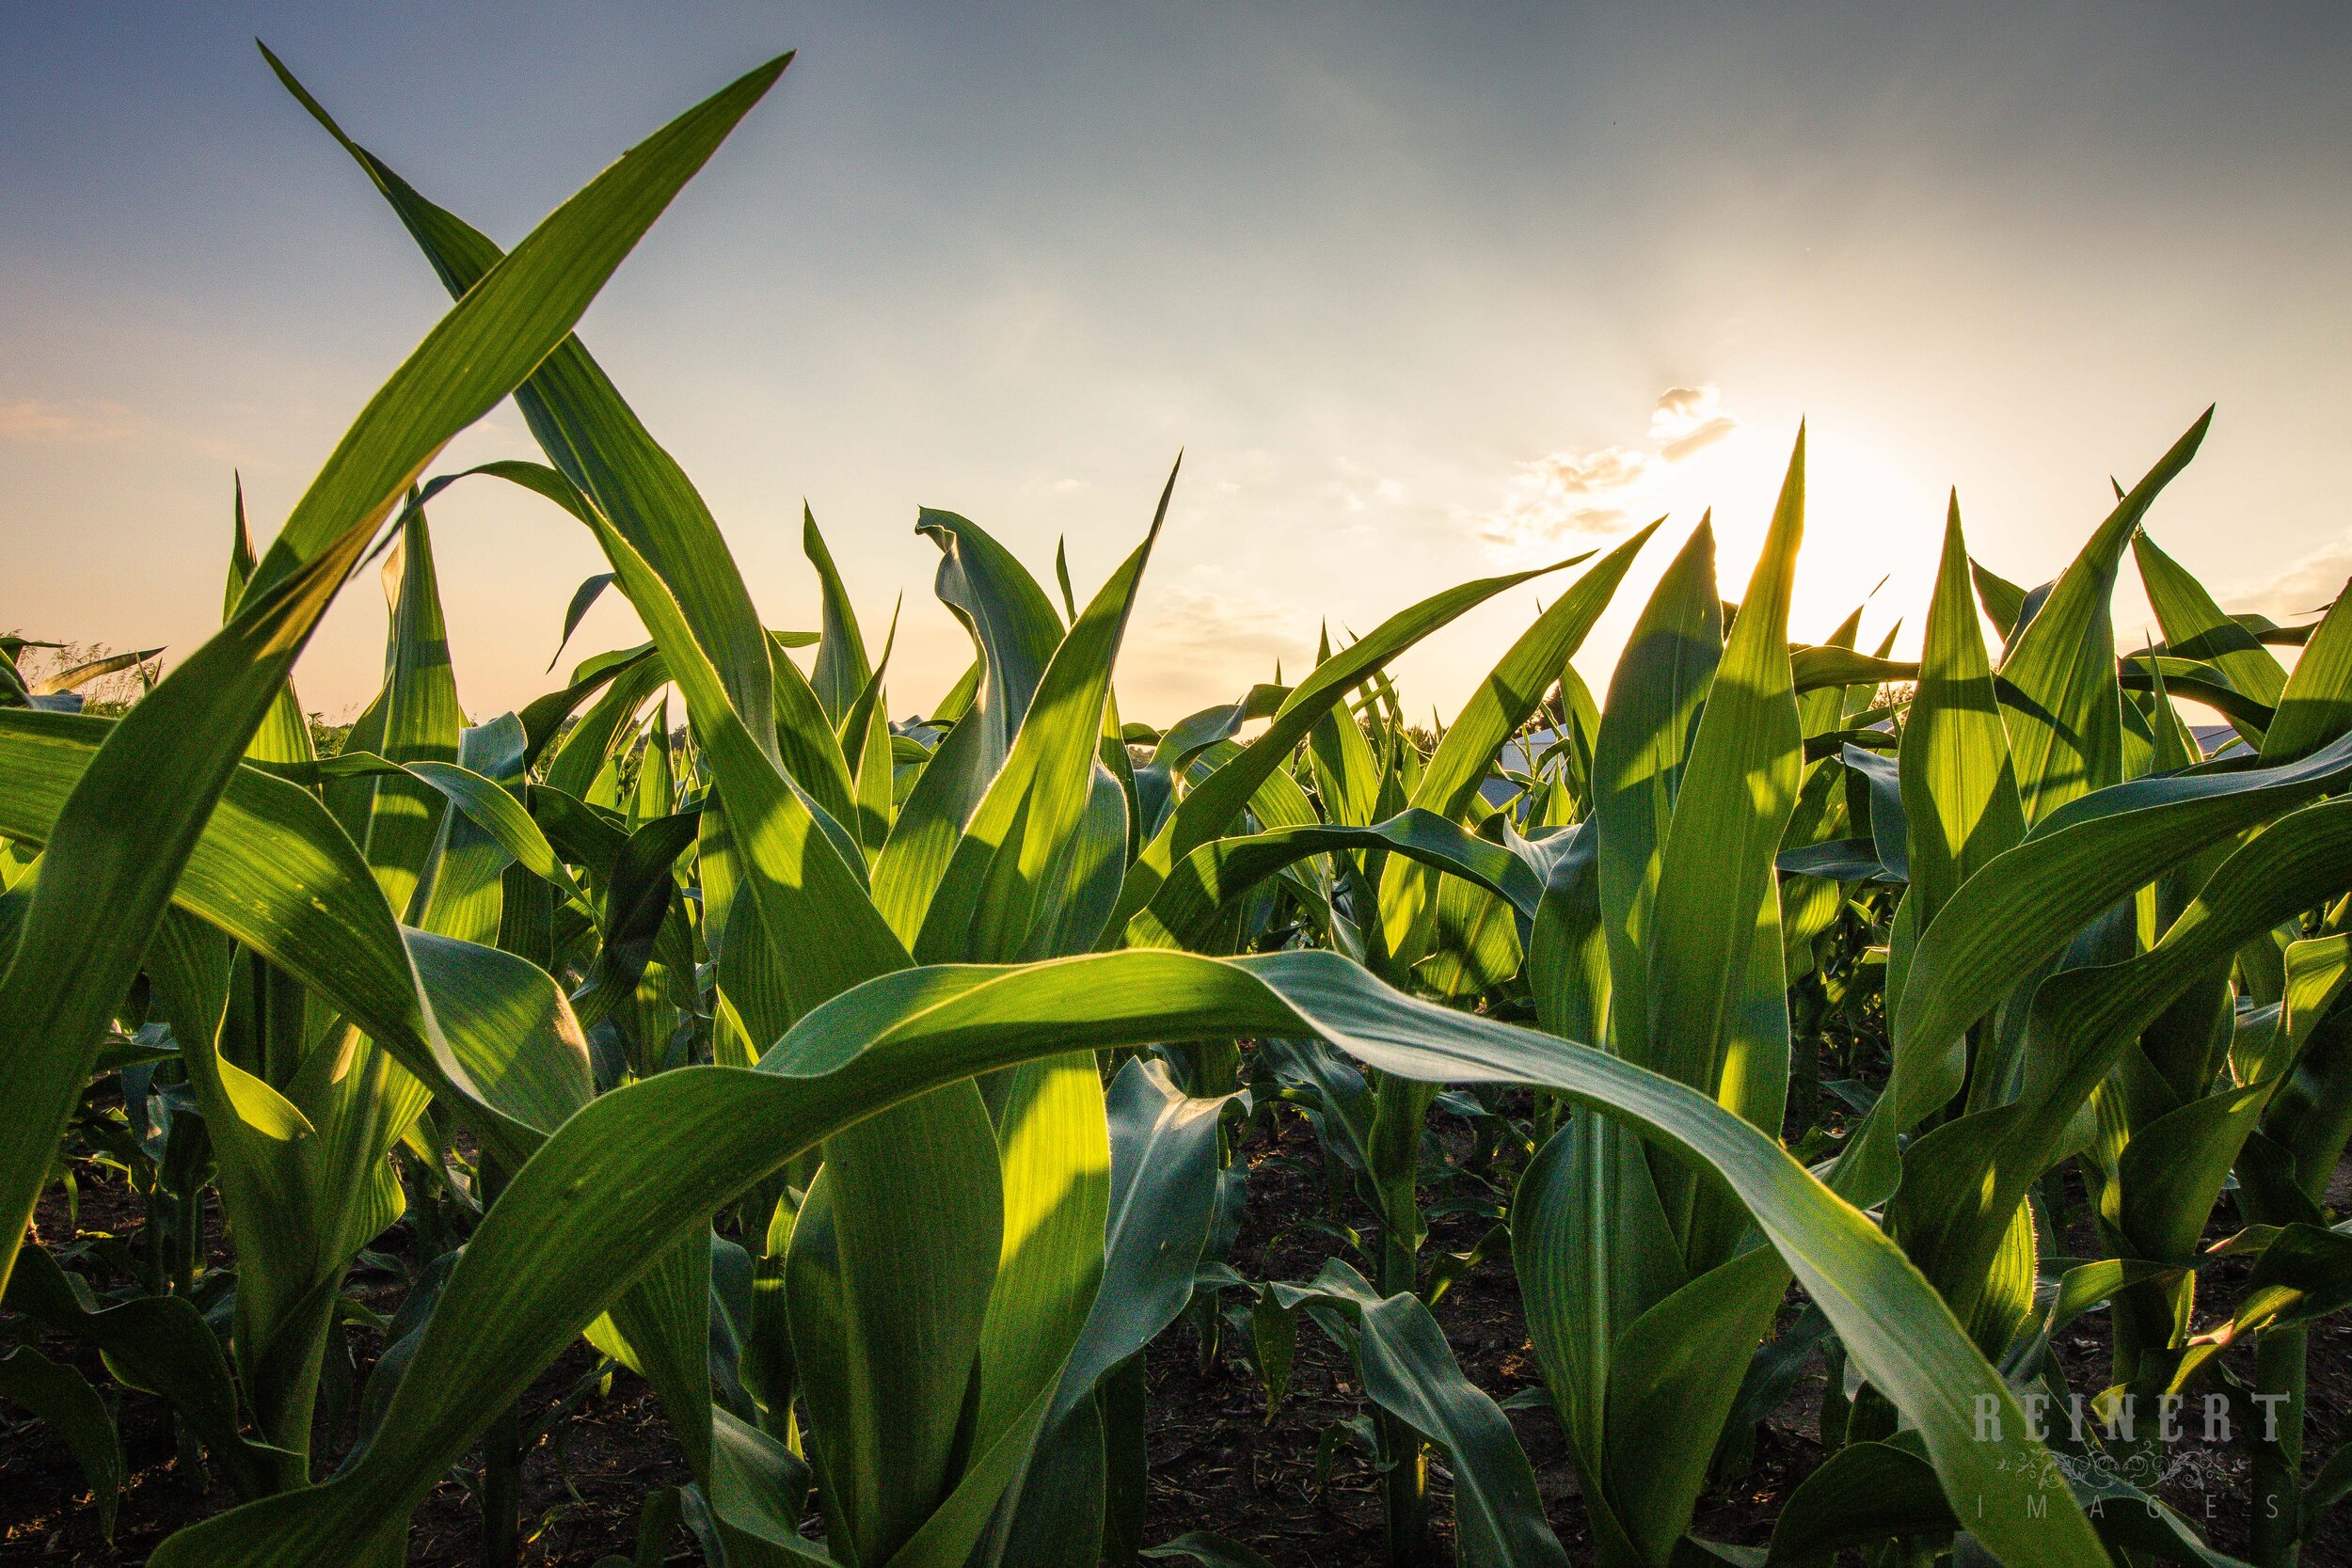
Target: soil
[[1218, 1461]]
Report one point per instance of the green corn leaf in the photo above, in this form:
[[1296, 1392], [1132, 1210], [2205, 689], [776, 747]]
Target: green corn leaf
[[1210, 879], [1959, 790], [1207, 1548], [753, 1476], [1164, 1179], [1014, 634], [1008, 891], [1819, 668], [589, 743], [416, 718], [2315, 971], [810, 746], [2083, 1019], [2065, 723], [588, 432], [64, 1400], [583, 599], [1717, 1016], [684, 1142], [1012, 625], [1736, 792], [117, 842], [1465, 757], [841, 672], [1509, 693], [2316, 706], [2172, 1170], [1056, 1158], [1674, 1377], [489, 806], [2004, 601], [285, 735], [1162, 1196], [159, 1345], [272, 870], [1863, 1493], [2195, 627], [83, 674], [2198, 682], [1409, 1370], [1646, 728], [1594, 1252], [1214, 801], [2027, 902], [866, 745], [886, 1356]]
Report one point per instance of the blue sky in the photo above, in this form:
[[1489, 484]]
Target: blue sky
[[1424, 294]]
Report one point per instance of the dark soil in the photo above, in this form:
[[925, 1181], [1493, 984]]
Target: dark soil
[[1216, 1461]]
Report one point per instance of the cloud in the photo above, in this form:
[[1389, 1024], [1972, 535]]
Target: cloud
[[1534, 519], [1359, 489], [1198, 618], [43, 423], [1706, 434], [1681, 408], [1199, 641], [1568, 473], [2310, 585], [1687, 420], [1575, 492]]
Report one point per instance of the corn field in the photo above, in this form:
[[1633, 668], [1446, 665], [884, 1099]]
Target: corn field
[[875, 1090]]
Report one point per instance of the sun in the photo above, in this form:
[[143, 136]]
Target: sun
[[1872, 521]]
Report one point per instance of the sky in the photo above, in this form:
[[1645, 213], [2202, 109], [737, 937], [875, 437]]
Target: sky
[[1421, 292]]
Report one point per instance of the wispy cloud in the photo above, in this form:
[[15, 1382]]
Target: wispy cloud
[[1210, 632], [39, 422], [42, 422], [1570, 473], [2310, 585], [1198, 617], [1688, 419], [1575, 492]]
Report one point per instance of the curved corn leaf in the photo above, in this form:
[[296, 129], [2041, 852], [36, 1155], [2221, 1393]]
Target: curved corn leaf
[[273, 871], [2195, 627], [2027, 902], [684, 1142], [2065, 721], [1674, 1376], [1162, 1196], [1016, 885], [1184, 912], [1959, 790], [2082, 1020], [1409, 1370], [589, 433], [81, 676], [160, 1345], [2316, 706], [1466, 756], [583, 599], [64, 1398], [1216, 800], [1014, 633], [1646, 727], [841, 671]]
